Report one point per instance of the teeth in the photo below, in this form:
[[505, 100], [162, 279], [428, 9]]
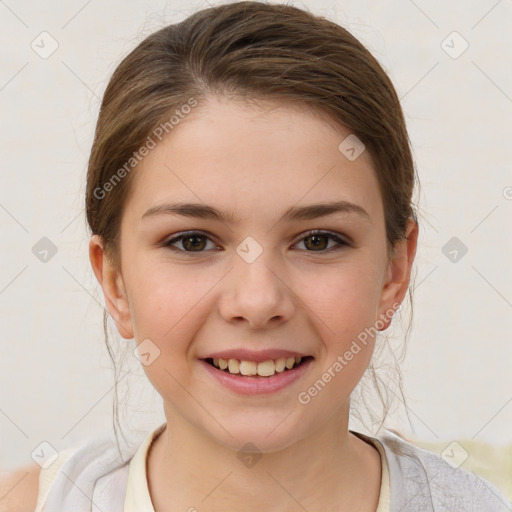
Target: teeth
[[280, 364], [263, 369], [266, 368], [248, 368], [233, 366]]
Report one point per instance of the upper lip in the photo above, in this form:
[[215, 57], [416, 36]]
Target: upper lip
[[243, 354]]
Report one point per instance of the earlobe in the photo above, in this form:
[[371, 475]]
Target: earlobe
[[112, 283], [398, 274]]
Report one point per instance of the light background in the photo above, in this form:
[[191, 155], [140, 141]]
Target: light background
[[56, 382]]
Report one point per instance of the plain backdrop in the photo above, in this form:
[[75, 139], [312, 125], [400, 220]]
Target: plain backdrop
[[450, 63]]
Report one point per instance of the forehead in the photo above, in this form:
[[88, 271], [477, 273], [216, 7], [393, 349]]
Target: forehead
[[253, 157]]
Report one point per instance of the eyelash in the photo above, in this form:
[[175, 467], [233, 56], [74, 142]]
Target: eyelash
[[340, 241]]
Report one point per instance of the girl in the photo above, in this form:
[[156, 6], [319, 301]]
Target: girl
[[249, 197]]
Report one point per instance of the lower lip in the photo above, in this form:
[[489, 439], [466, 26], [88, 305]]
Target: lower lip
[[254, 385]]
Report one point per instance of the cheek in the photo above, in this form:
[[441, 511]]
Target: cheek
[[166, 302], [344, 304], [344, 299], [168, 306]]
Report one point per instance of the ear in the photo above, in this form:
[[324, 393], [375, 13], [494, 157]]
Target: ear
[[398, 274], [111, 280]]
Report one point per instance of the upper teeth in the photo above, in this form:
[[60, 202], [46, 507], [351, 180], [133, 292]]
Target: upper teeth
[[263, 369]]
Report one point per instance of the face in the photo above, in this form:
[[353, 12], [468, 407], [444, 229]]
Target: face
[[240, 276]]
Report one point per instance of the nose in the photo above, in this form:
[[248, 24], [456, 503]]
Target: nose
[[257, 294]]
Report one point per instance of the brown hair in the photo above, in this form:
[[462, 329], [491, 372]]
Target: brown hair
[[249, 50]]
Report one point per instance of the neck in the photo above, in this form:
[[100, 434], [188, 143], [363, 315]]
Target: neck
[[331, 470]]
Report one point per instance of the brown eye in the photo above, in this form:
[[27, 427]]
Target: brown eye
[[194, 242], [318, 241], [188, 242]]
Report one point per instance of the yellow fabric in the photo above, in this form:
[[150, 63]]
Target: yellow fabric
[[494, 463], [385, 491], [137, 492], [46, 477]]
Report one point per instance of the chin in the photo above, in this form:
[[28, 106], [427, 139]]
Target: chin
[[258, 435]]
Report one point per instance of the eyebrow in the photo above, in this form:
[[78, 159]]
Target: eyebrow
[[203, 211]]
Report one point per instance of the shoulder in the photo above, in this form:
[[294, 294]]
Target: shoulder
[[93, 468], [71, 478], [19, 489], [426, 478]]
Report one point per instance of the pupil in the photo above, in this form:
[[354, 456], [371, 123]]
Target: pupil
[[316, 239], [195, 244]]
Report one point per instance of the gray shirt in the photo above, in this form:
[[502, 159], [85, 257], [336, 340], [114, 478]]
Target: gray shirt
[[94, 478]]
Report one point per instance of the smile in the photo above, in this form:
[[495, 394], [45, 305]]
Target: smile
[[249, 377], [266, 368]]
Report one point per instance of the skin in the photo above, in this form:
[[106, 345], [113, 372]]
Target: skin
[[255, 160]]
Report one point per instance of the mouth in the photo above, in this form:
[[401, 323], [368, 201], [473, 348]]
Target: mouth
[[263, 369]]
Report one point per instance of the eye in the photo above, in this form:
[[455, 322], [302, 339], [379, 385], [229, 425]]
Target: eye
[[318, 241], [314, 241], [191, 241]]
